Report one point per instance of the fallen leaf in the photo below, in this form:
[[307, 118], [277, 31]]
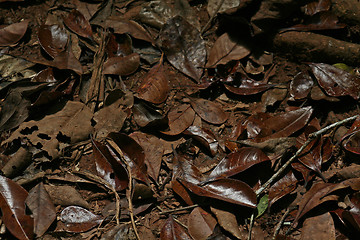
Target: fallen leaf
[[109, 167], [173, 231], [209, 111], [154, 87], [335, 81], [227, 220], [200, 224], [237, 162], [133, 154], [78, 219], [317, 6], [147, 116], [69, 125], [65, 196], [53, 39], [77, 23], [205, 136], [183, 47], [122, 65], [318, 227], [301, 85], [248, 87], [180, 118], [11, 34], [226, 49], [12, 204], [42, 208], [282, 187]]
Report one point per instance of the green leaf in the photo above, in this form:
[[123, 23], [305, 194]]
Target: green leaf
[[263, 205]]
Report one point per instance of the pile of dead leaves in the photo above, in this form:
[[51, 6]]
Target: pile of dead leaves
[[166, 119]]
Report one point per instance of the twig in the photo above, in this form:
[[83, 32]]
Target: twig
[[251, 224], [212, 17], [130, 187], [178, 209], [310, 138], [183, 225], [98, 179], [278, 226]]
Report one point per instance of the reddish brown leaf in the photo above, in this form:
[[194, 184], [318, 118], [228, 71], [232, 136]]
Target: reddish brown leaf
[[301, 85], [180, 118], [12, 204], [42, 208], [281, 125], [183, 47], [209, 111], [282, 187], [237, 162], [130, 27], [133, 154], [320, 21], [351, 140], [320, 193], [153, 148], [173, 231], [78, 219], [119, 46], [67, 60], [305, 171], [335, 81], [317, 6], [226, 49], [109, 168], [205, 136], [249, 87], [228, 190], [122, 65], [11, 34], [77, 23], [53, 39], [154, 87], [200, 224]]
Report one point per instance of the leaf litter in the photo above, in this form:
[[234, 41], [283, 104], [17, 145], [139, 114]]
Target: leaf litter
[[173, 116]]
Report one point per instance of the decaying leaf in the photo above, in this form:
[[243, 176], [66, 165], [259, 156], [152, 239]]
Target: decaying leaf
[[122, 65], [282, 187], [301, 85], [173, 230], [318, 227], [200, 224], [77, 23], [180, 118], [69, 125], [53, 39], [78, 219], [205, 136], [209, 111], [248, 87]]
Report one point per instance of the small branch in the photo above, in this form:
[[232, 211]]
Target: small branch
[[278, 226], [252, 218], [178, 209], [310, 138], [212, 17]]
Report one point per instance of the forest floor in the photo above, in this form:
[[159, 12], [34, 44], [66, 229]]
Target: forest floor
[[180, 119]]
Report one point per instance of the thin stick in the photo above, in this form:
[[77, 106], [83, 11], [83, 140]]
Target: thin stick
[[212, 17], [278, 226], [251, 224], [130, 187], [178, 209], [310, 138], [98, 179]]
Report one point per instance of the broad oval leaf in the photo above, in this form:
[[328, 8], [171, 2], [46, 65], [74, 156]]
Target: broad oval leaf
[[109, 168], [122, 65], [77, 23], [229, 190], [154, 87], [147, 116], [249, 87], [173, 231], [78, 219], [42, 207], [12, 204], [335, 81], [282, 187], [11, 34], [237, 162], [226, 49], [183, 47], [301, 85], [205, 136], [180, 118], [53, 39], [209, 111]]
